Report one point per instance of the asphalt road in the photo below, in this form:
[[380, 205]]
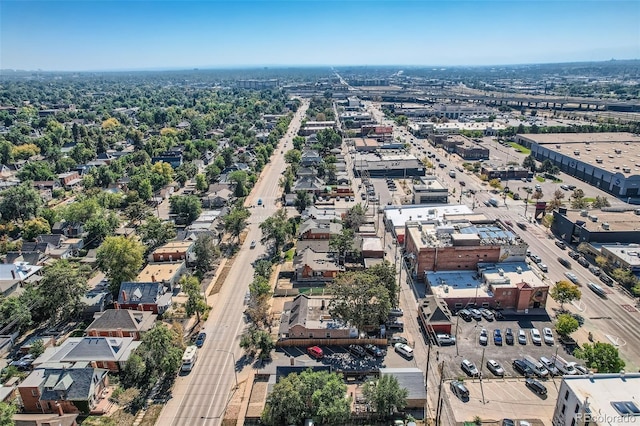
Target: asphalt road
[[201, 397]]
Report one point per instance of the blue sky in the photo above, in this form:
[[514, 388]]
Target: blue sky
[[117, 35]]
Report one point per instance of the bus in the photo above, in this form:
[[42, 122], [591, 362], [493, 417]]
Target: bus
[[189, 358]]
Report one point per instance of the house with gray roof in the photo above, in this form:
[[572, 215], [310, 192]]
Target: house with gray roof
[[13, 275], [110, 353], [316, 267], [121, 323], [412, 379], [307, 317], [70, 390], [150, 296]]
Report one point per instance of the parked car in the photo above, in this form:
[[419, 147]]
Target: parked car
[[459, 389], [606, 279], [398, 339], [464, 314], [445, 339], [497, 337], [483, 339], [536, 339], [521, 367], [357, 350], [315, 352], [404, 350], [543, 267], [583, 262], [495, 368], [508, 336], [476, 314], [595, 270], [536, 386], [469, 368], [522, 337], [581, 369], [396, 312], [374, 350], [487, 314], [549, 365], [395, 325], [548, 336], [561, 244], [565, 187], [200, 339], [24, 363], [536, 258], [574, 255]]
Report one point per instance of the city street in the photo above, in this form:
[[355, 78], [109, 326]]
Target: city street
[[200, 398]]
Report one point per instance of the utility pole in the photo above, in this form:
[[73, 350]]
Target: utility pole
[[426, 382], [439, 406], [480, 373]]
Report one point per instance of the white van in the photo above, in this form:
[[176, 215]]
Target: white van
[[564, 366], [189, 358]]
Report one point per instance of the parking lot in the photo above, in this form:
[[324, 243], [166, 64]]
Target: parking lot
[[468, 346]]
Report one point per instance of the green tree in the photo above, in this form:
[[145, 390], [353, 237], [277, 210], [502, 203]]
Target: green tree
[[565, 292], [342, 244], [196, 303], [320, 396], [259, 287], [385, 274], [205, 252], [120, 258], [236, 221], [385, 395], [360, 300], [188, 207], [161, 350], [566, 324], [99, 227], [201, 182], [14, 309], [600, 202], [354, 217], [145, 190], [36, 170], [37, 348], [302, 201], [20, 202], [293, 156], [263, 268], [239, 177], [601, 357], [257, 341], [155, 232], [136, 211], [62, 286], [529, 163], [494, 183], [276, 229], [7, 410], [34, 227]]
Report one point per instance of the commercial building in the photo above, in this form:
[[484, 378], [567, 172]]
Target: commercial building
[[609, 161], [430, 190], [626, 256], [390, 164], [257, 84], [511, 286], [366, 145], [505, 172], [457, 245], [598, 399], [582, 226]]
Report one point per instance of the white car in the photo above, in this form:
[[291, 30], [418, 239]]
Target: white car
[[535, 336], [572, 277], [548, 336], [495, 368], [543, 267], [403, 349], [483, 337]]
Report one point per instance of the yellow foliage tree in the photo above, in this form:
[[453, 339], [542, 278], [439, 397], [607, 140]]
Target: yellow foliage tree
[[168, 131], [110, 124], [22, 152]]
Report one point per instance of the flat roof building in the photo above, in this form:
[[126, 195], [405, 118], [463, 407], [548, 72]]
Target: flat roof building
[[598, 399], [583, 226], [383, 164], [625, 256], [430, 190], [609, 161]]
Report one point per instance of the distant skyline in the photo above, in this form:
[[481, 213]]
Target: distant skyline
[[143, 35]]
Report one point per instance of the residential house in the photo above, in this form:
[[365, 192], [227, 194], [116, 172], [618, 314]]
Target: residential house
[[219, 198], [70, 390], [46, 188], [311, 184], [413, 380], [110, 353], [166, 273], [312, 230], [45, 419], [312, 266], [307, 317], [68, 229], [36, 258], [310, 157], [13, 276], [172, 156], [60, 247], [307, 172], [95, 301], [121, 323], [148, 296], [174, 250], [70, 180]]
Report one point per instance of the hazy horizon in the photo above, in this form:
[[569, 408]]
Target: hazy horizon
[[99, 36]]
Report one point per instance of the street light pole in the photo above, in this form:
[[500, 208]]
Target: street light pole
[[234, 364]]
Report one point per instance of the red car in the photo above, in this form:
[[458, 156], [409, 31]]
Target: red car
[[315, 352]]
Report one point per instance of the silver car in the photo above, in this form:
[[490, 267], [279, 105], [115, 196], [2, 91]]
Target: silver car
[[495, 368], [536, 339]]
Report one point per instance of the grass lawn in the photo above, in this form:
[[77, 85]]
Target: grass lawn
[[288, 255], [540, 179], [313, 291], [523, 150]]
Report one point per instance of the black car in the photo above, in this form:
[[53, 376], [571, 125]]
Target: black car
[[508, 336], [584, 262], [200, 339], [536, 386], [395, 325], [564, 262], [606, 279], [522, 368], [374, 350], [357, 350], [464, 314], [574, 255]]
